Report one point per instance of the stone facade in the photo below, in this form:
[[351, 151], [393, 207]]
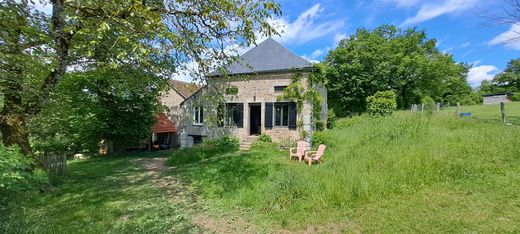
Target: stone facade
[[255, 90]]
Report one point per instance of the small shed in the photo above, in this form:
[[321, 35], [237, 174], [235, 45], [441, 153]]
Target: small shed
[[496, 98], [163, 132]]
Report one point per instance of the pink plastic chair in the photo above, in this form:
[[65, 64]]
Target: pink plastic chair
[[315, 156], [298, 152]]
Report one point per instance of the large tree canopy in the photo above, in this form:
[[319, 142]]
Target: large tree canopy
[[506, 81], [388, 58], [154, 35]]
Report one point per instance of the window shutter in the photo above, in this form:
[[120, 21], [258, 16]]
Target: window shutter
[[292, 115], [268, 115], [240, 109], [201, 114]]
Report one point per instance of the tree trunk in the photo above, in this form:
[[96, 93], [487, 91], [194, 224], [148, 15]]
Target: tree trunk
[[14, 132]]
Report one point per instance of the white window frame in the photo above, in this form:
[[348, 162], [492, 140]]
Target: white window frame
[[197, 115]]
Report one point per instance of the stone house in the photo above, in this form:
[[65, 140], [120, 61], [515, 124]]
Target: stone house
[[171, 99], [250, 103]]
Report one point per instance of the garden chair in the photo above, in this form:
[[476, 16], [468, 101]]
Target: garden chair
[[314, 156], [298, 152]]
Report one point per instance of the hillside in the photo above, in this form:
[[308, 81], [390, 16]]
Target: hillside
[[406, 172]]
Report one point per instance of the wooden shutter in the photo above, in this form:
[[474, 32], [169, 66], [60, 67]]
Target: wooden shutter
[[201, 114], [240, 110], [292, 115], [268, 115]]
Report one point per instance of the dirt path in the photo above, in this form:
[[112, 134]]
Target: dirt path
[[154, 164], [184, 195]]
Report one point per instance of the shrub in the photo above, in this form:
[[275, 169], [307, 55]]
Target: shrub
[[319, 126], [318, 138], [208, 149], [14, 171], [265, 138], [331, 119], [516, 97], [382, 103], [429, 104]]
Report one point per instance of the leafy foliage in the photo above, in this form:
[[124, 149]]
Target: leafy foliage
[[265, 138], [382, 103], [117, 105], [405, 61], [506, 81], [159, 37], [14, 172]]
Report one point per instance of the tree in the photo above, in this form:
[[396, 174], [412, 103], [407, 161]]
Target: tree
[[117, 105], [158, 36], [509, 79], [388, 58]]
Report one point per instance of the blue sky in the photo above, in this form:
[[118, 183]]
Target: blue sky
[[311, 28]]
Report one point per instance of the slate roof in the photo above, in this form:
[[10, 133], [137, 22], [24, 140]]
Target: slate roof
[[163, 124], [185, 89], [268, 56]]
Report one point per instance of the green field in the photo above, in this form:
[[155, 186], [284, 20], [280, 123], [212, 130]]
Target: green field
[[405, 173]]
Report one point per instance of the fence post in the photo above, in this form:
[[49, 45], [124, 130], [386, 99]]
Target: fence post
[[503, 112], [438, 106], [458, 109]]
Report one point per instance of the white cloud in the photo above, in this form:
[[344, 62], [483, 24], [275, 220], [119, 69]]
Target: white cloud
[[477, 74], [510, 39], [306, 27], [466, 44], [432, 10], [338, 37]]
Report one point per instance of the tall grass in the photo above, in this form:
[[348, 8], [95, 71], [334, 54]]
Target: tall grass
[[370, 160]]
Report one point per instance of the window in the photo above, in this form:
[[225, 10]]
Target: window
[[279, 88], [281, 114], [284, 115], [198, 115], [231, 114]]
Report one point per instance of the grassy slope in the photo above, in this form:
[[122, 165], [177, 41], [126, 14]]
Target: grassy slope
[[402, 173], [396, 174]]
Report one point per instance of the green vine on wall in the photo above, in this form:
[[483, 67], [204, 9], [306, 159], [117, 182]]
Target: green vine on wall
[[299, 93]]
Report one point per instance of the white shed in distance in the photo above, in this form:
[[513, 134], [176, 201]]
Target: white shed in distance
[[496, 98]]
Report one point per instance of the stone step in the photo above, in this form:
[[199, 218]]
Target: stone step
[[245, 143]]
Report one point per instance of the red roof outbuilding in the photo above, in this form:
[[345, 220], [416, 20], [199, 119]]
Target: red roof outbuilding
[[163, 124]]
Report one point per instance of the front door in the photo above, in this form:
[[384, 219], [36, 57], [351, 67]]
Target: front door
[[255, 113]]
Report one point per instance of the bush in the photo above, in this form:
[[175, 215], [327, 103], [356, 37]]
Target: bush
[[382, 103], [516, 97], [319, 125], [331, 119], [208, 149], [14, 171], [318, 138], [265, 138], [429, 104]]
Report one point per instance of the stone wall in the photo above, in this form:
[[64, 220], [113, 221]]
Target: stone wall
[[257, 89]]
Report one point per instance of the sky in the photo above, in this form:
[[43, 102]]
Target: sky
[[312, 28]]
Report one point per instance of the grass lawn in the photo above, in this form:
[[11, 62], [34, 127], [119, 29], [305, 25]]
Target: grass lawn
[[404, 173]]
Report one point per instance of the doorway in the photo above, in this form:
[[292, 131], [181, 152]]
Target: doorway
[[255, 114]]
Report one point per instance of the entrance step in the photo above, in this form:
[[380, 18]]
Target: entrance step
[[245, 143]]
